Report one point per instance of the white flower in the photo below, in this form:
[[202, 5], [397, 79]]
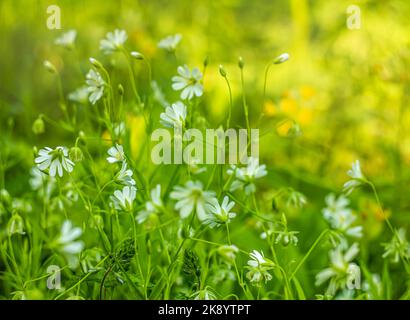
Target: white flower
[[190, 197], [116, 154], [282, 58], [174, 116], [259, 267], [55, 160], [96, 85], [67, 243], [113, 42], [152, 207], [397, 247], [125, 175], [357, 176], [246, 176], [189, 82], [123, 200], [340, 268], [67, 39], [80, 95], [219, 214], [340, 217], [170, 43]]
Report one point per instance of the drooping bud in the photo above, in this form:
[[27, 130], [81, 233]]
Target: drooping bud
[[222, 71], [76, 154], [282, 58], [120, 90], [136, 55], [49, 66], [97, 64]]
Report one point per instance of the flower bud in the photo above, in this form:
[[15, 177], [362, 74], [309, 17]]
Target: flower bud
[[49, 66], [38, 126], [285, 240], [82, 135], [136, 55], [206, 61], [97, 64], [241, 63], [97, 222], [120, 90], [222, 71], [76, 154], [282, 58]]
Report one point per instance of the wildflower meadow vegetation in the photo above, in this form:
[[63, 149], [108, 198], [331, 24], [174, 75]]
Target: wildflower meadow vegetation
[[204, 150]]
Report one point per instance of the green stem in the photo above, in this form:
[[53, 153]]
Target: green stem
[[231, 103], [245, 106], [319, 238]]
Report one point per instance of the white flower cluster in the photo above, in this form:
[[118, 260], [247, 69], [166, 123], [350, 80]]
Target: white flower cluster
[[340, 217], [342, 269], [122, 199]]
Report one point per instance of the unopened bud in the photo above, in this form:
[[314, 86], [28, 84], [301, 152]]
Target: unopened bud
[[82, 135], [38, 126], [49, 66], [120, 90], [222, 71], [206, 61], [241, 63], [282, 58], [76, 154], [97, 64], [137, 55]]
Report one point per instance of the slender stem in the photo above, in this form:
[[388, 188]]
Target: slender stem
[[231, 104], [266, 79], [380, 206], [245, 106], [132, 79], [319, 238], [80, 281]]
